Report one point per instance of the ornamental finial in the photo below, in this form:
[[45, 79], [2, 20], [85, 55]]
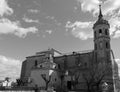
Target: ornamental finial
[[100, 13]]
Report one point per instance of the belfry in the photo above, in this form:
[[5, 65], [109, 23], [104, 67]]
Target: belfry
[[102, 48], [102, 38]]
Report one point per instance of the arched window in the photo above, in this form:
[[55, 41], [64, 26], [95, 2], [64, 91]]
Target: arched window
[[100, 30], [106, 31]]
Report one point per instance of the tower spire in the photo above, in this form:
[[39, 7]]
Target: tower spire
[[100, 13]]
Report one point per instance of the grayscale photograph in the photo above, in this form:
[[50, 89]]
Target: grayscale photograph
[[59, 45]]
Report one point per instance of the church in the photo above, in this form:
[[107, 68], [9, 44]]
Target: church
[[83, 70]]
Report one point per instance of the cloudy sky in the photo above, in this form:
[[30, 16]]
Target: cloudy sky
[[29, 26]]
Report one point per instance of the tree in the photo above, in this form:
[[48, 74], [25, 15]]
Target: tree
[[88, 77], [46, 80], [95, 75], [14, 84], [21, 82], [100, 73], [7, 79], [76, 79]]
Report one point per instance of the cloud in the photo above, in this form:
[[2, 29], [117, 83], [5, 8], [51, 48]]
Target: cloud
[[115, 27], [110, 9], [33, 11], [4, 8], [89, 5], [49, 31], [53, 19], [50, 17], [117, 60], [82, 30], [9, 67], [117, 34], [9, 27], [110, 6], [13, 27], [26, 19]]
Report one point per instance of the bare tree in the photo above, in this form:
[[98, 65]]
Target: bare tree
[[95, 75], [88, 77], [14, 84], [46, 80], [76, 78]]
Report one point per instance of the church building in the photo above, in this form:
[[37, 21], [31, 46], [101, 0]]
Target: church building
[[82, 70]]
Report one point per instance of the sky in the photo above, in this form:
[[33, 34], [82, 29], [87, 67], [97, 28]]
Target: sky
[[30, 26]]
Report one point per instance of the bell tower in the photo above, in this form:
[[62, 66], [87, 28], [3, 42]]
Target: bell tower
[[101, 38], [102, 48]]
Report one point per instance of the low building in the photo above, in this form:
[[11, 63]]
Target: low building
[[44, 74], [35, 60]]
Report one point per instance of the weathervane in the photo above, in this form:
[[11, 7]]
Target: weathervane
[[100, 12]]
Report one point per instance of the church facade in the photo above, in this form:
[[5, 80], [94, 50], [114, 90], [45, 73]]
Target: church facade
[[85, 70]]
